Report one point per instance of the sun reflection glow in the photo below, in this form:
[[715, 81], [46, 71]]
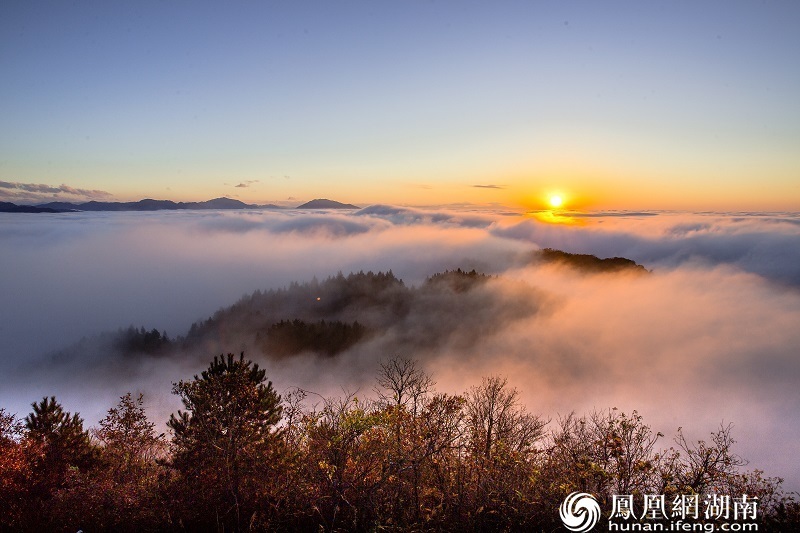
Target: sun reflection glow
[[552, 217]]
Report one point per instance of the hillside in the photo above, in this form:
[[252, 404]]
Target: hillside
[[347, 312], [365, 312]]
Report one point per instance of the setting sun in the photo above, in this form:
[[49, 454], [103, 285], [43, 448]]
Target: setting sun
[[556, 201]]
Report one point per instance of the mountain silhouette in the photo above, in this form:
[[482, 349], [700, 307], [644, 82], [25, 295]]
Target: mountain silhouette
[[8, 207], [149, 204], [324, 203]]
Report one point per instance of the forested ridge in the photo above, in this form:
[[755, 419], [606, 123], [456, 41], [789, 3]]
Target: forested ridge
[[239, 457], [329, 316]]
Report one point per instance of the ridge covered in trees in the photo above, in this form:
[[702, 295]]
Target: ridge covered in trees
[[240, 457], [347, 312], [337, 314], [587, 262], [322, 317]]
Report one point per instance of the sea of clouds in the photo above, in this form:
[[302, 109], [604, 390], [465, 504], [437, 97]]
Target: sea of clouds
[[710, 337]]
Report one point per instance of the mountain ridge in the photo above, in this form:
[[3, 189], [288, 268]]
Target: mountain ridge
[[150, 204], [8, 207]]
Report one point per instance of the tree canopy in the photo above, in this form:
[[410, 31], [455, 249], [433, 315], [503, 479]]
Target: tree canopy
[[241, 457]]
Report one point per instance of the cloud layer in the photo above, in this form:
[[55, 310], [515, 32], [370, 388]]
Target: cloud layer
[[765, 244], [709, 336], [36, 193]]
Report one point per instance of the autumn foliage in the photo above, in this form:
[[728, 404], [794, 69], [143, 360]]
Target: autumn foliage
[[240, 457]]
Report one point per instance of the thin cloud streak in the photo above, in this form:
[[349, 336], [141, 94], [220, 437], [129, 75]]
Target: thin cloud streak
[[33, 193], [245, 184]]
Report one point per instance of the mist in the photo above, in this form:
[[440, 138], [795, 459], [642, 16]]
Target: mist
[[709, 336]]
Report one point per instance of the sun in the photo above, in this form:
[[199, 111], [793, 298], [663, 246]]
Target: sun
[[556, 201]]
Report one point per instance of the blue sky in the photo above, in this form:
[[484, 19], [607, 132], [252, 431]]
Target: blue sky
[[615, 104]]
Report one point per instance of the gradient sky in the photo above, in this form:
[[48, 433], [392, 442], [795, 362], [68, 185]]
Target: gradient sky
[[630, 105]]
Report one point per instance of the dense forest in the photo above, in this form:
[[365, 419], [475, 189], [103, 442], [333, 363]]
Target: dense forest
[[239, 457]]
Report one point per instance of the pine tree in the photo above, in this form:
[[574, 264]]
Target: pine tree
[[62, 444], [225, 440]]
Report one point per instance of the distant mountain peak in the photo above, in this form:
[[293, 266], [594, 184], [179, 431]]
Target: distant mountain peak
[[225, 201], [324, 203]]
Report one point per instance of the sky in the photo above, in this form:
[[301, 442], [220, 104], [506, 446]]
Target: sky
[[612, 105]]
